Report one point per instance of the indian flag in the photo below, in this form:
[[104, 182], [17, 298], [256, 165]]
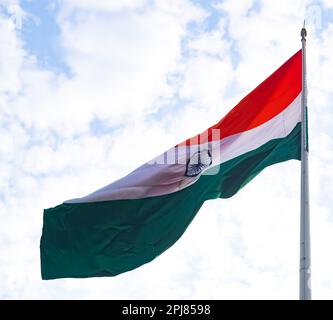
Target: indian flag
[[133, 220]]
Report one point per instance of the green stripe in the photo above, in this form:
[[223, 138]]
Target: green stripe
[[112, 237]]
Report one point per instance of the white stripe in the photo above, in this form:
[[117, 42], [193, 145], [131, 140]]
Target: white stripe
[[155, 178]]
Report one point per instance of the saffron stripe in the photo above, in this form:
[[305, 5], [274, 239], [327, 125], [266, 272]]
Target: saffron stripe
[[266, 101]]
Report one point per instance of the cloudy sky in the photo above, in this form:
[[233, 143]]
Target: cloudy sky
[[91, 89]]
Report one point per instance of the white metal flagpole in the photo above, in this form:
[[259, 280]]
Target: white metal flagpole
[[305, 253]]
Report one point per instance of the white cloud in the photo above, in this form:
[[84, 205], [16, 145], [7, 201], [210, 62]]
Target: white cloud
[[100, 5], [128, 62], [10, 57], [327, 3], [109, 80]]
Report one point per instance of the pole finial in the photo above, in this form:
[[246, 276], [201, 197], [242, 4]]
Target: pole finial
[[303, 32]]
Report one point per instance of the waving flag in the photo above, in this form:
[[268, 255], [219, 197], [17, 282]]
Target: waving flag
[[133, 220]]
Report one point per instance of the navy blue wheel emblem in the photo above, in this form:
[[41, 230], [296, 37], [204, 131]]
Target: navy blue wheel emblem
[[198, 162]]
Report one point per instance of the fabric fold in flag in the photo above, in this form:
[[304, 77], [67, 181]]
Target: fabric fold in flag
[[133, 220]]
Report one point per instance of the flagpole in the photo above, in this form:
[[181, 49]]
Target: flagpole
[[305, 253]]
